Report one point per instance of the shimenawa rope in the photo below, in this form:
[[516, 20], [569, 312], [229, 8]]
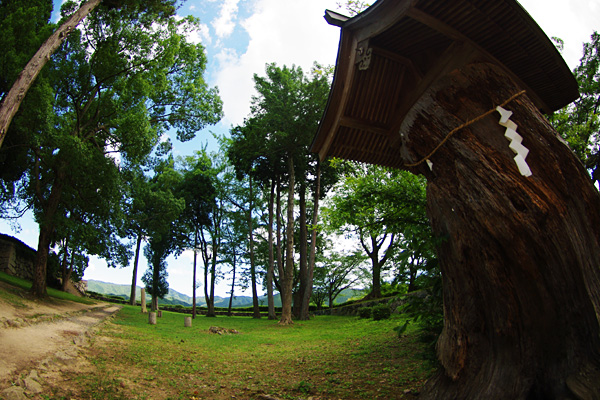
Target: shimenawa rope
[[469, 122]]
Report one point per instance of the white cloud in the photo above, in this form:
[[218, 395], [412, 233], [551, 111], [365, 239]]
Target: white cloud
[[573, 21], [225, 22], [283, 31]]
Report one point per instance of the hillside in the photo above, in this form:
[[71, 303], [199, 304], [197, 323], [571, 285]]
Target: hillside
[[176, 298], [172, 298]]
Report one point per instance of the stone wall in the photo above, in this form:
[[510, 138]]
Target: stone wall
[[352, 309], [16, 258]]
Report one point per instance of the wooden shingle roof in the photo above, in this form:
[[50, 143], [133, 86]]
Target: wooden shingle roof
[[390, 54]]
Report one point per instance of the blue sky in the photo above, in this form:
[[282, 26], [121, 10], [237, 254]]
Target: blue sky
[[241, 36]]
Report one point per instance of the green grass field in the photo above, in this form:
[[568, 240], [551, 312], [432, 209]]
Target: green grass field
[[324, 358], [54, 293]]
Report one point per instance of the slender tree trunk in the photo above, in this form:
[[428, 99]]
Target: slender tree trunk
[[520, 255], [194, 274], [280, 268], [287, 279], [232, 286], [271, 267], [68, 272], [64, 268], [206, 260], [303, 247], [11, 103], [138, 246], [213, 273], [375, 267], [255, 305], [304, 315], [155, 280]]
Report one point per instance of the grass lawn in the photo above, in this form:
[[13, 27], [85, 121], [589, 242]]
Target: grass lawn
[[54, 293], [324, 358]]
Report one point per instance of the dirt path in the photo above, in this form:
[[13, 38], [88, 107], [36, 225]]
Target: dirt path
[[41, 337]]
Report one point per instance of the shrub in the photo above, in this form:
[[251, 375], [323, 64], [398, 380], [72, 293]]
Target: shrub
[[381, 311], [365, 312]]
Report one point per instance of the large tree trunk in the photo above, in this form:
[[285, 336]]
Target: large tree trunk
[[38, 286], [138, 245], [519, 255], [11, 103], [287, 279], [271, 267]]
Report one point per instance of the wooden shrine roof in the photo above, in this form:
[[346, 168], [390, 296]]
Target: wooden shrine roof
[[390, 54]]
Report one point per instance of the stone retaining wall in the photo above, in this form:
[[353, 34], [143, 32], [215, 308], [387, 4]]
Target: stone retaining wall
[[352, 309], [16, 258]]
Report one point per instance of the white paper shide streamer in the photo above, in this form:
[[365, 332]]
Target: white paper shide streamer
[[515, 141]]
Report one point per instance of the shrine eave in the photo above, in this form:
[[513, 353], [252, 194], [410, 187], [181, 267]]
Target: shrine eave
[[389, 55]]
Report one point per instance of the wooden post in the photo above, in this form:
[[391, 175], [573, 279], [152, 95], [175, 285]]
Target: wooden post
[[143, 298], [187, 322], [159, 313], [518, 249], [152, 318]]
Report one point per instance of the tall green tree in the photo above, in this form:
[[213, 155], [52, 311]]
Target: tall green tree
[[119, 84], [334, 274], [285, 115], [197, 188], [579, 122], [167, 234], [24, 26], [381, 209], [11, 102]]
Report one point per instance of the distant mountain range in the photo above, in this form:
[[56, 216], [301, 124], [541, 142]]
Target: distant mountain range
[[176, 298], [173, 297]]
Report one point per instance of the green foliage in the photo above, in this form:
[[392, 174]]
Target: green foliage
[[385, 209], [24, 27], [365, 312], [115, 86], [389, 289], [579, 122], [54, 293], [381, 311]]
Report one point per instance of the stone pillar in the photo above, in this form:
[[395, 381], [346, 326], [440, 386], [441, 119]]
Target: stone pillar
[[143, 296], [187, 322], [159, 313], [152, 318]]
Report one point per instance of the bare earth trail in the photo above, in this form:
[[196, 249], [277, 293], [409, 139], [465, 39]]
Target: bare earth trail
[[38, 340]]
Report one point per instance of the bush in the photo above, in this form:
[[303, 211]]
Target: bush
[[365, 312], [381, 311]]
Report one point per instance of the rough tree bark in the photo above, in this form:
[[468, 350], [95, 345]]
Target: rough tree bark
[[11, 103], [47, 226], [520, 255]]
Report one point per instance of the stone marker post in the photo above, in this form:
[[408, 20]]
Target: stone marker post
[[187, 322], [144, 300], [152, 318], [159, 313]]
